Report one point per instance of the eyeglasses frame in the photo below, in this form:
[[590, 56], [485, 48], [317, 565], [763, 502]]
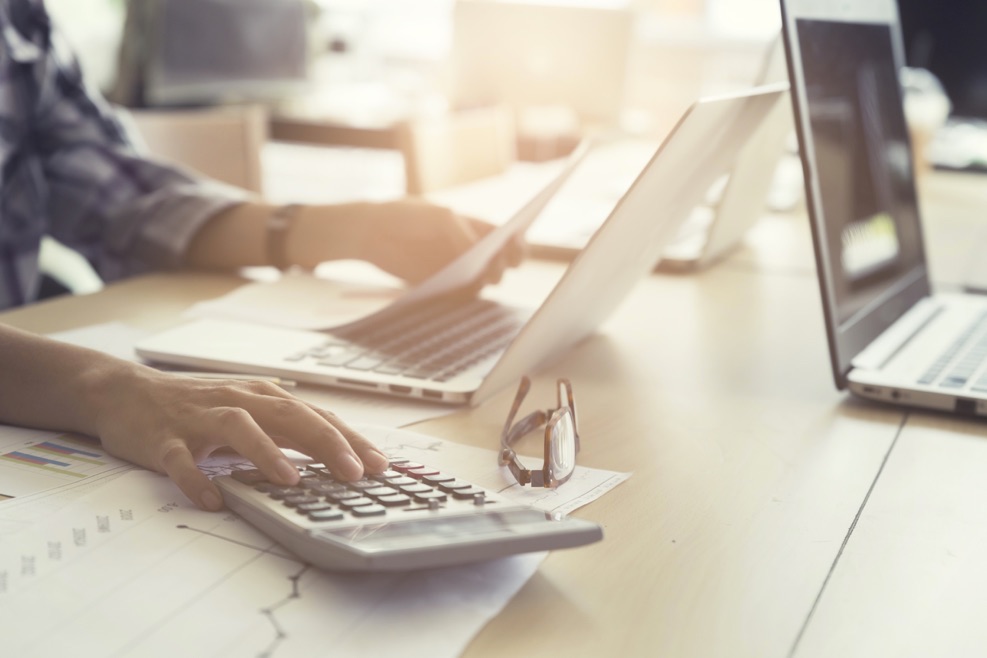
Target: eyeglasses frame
[[513, 432]]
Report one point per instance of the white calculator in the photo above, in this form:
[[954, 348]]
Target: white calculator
[[409, 517]]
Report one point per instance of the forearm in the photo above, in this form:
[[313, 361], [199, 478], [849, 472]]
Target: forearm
[[409, 238], [52, 385], [238, 236]]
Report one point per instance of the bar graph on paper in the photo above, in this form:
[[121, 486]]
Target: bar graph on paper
[[63, 456], [33, 461]]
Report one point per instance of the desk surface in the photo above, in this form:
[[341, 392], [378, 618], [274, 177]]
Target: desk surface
[[768, 514]]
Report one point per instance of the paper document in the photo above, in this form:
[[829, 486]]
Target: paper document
[[51, 469], [581, 205], [132, 569]]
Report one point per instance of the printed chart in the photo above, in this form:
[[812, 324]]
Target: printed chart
[[64, 456], [33, 461], [133, 570]]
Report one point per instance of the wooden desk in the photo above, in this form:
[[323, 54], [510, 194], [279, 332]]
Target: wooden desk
[[768, 514]]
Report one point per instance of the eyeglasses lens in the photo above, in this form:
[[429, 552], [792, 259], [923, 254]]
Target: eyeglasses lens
[[563, 448]]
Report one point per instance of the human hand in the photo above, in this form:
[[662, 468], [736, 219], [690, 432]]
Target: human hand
[[509, 256], [413, 240], [169, 423]]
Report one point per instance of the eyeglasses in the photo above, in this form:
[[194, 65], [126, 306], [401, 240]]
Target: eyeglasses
[[561, 438]]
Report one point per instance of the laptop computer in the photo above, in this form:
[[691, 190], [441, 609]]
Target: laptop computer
[[890, 337], [740, 200], [440, 341], [732, 205]]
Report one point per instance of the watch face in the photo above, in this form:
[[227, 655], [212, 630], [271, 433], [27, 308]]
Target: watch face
[[278, 224]]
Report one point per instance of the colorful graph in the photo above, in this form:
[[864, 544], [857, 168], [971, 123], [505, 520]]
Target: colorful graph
[[64, 455]]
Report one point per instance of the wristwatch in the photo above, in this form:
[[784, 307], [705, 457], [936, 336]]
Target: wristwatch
[[278, 224]]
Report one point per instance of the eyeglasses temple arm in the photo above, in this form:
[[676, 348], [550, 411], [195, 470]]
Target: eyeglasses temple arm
[[522, 391], [571, 403]]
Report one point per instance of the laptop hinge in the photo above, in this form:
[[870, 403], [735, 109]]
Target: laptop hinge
[[898, 335]]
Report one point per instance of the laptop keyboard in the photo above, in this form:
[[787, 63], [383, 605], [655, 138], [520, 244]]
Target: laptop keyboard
[[958, 364], [436, 342]]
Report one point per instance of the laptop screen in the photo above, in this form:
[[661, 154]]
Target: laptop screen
[[857, 155], [862, 160]]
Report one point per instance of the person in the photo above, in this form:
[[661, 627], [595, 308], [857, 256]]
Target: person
[[70, 171]]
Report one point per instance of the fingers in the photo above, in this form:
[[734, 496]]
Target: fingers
[[516, 251], [177, 462], [182, 420], [512, 254], [256, 420], [238, 429], [480, 227], [373, 459], [282, 419], [495, 271]]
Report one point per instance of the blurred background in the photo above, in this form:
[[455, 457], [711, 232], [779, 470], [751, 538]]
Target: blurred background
[[371, 62], [360, 72], [324, 101]]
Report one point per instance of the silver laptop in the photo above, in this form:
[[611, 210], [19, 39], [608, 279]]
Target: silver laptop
[[718, 223], [890, 337], [739, 200], [440, 341]]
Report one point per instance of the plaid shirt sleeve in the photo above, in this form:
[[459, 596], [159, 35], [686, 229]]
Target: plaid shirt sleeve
[[71, 171]]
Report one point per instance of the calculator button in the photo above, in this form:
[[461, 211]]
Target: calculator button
[[340, 496], [379, 491], [249, 476], [420, 472], [326, 515], [406, 466], [363, 484], [299, 499], [454, 484], [395, 500], [368, 510], [283, 492], [416, 488], [356, 502], [327, 488], [426, 496], [467, 493], [402, 481], [317, 506], [386, 475], [437, 478]]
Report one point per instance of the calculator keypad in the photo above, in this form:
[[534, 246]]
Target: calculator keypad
[[405, 486]]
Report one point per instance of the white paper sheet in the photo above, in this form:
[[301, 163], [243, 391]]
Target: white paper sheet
[[32, 461], [582, 204], [133, 569]]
